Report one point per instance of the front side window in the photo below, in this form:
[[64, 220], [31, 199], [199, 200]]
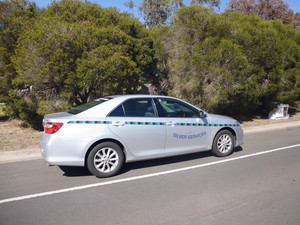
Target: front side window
[[140, 107], [173, 108]]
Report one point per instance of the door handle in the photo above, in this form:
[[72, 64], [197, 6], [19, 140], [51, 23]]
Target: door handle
[[171, 123], [118, 124]]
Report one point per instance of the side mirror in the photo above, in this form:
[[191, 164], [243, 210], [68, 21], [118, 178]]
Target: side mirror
[[202, 114]]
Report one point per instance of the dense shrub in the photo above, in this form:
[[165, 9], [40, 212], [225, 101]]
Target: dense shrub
[[72, 51], [232, 63]]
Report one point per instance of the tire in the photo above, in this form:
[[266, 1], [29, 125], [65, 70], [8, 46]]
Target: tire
[[105, 159], [223, 144]]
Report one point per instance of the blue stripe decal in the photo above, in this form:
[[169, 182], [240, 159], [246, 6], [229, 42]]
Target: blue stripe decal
[[89, 122], [155, 123]]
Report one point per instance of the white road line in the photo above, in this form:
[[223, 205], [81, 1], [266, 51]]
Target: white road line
[[142, 176]]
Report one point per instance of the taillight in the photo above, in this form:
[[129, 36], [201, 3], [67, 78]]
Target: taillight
[[51, 128]]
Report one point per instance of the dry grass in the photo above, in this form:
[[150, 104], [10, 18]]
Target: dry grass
[[258, 122], [15, 137]]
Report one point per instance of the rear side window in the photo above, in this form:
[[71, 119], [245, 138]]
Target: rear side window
[[87, 106], [141, 107], [119, 111]]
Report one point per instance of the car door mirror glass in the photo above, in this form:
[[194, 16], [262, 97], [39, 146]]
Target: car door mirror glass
[[202, 114]]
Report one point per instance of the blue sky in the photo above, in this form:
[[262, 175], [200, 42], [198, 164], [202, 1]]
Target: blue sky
[[294, 4]]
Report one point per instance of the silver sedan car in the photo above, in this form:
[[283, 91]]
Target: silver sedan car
[[108, 132]]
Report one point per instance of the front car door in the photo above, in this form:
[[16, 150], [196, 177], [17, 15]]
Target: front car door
[[186, 130]]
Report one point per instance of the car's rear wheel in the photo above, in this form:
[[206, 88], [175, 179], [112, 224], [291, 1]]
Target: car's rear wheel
[[105, 159], [223, 144]]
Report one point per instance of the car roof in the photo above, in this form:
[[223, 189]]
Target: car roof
[[114, 100], [127, 96], [135, 96]]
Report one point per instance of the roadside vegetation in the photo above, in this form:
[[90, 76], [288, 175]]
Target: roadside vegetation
[[16, 137], [239, 63], [2, 112]]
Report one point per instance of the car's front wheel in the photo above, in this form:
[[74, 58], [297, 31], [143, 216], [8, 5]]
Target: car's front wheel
[[223, 144], [105, 159]]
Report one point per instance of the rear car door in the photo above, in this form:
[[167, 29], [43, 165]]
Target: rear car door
[[136, 122]]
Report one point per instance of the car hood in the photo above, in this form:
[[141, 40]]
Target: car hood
[[214, 118]]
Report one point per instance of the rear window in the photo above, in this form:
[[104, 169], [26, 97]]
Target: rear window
[[88, 105]]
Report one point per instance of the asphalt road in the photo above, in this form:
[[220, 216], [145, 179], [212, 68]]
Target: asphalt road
[[258, 184]]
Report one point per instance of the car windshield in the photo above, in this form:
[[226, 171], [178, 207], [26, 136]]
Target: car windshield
[[88, 105]]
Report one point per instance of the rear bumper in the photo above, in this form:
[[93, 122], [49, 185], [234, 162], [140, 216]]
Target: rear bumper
[[56, 152]]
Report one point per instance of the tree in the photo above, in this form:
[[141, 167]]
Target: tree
[[297, 21], [266, 9], [157, 13], [76, 51], [209, 3], [15, 16], [219, 62]]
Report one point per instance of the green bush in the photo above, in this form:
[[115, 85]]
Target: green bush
[[72, 52], [232, 63], [68, 54]]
